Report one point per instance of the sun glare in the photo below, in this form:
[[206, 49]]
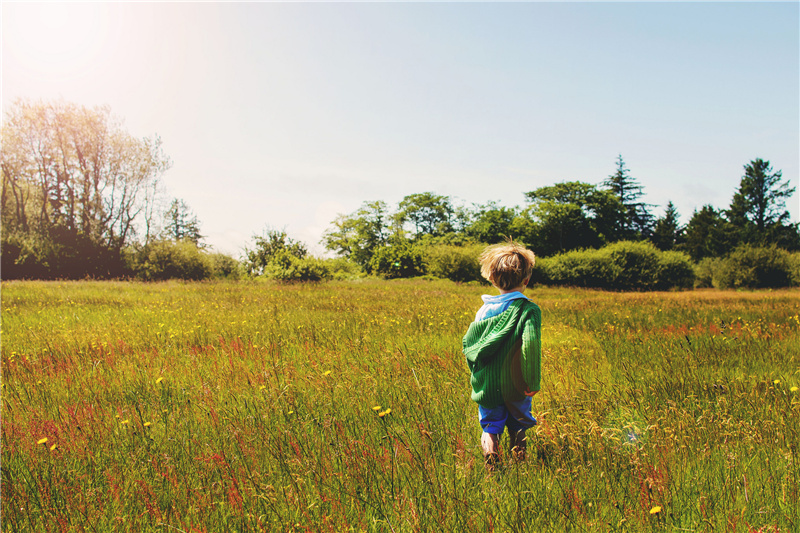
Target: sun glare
[[55, 38]]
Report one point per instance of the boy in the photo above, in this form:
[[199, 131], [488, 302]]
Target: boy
[[503, 348]]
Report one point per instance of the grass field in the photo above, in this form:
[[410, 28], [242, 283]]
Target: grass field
[[345, 407]]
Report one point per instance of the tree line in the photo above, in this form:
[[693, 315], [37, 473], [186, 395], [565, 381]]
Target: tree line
[[81, 198]]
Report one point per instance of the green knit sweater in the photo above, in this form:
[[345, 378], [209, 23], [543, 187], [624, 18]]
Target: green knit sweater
[[504, 354]]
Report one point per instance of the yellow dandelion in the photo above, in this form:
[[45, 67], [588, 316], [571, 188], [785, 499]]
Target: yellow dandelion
[[147, 424], [376, 407], [159, 380], [384, 413], [326, 373], [290, 412], [655, 510], [53, 447], [794, 389], [42, 441], [125, 422], [776, 382], [262, 387]]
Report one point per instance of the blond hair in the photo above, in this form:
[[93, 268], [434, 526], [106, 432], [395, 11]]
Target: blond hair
[[507, 265]]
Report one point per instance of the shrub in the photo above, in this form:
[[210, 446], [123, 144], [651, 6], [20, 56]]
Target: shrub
[[166, 259], [456, 263], [755, 267], [580, 268], [225, 267], [624, 265], [675, 271], [794, 268], [401, 260], [344, 269], [705, 272], [286, 267]]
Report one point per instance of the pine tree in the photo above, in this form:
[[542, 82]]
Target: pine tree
[[667, 231], [638, 222]]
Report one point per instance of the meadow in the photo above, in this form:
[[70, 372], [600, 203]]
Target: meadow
[[344, 406]]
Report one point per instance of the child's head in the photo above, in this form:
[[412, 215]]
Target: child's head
[[507, 265]]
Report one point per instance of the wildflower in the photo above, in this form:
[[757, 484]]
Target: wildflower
[[384, 413], [42, 441], [794, 389], [376, 407], [655, 510], [125, 422], [327, 372], [147, 424], [262, 387], [53, 447], [776, 382]]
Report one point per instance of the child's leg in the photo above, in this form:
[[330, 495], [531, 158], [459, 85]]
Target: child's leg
[[493, 422], [517, 444], [490, 442]]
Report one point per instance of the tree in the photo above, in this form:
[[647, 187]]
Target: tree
[[571, 215], [667, 230], [758, 208], [491, 222], [75, 188], [637, 221], [428, 213], [706, 235], [270, 245], [180, 223], [358, 235]]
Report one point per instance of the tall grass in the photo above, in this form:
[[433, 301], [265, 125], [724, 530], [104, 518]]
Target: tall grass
[[345, 407]]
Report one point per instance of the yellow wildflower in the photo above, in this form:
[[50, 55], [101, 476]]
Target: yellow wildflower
[[125, 422], [655, 510], [776, 382], [53, 447], [794, 389], [376, 407], [384, 413], [327, 372], [147, 424], [159, 380], [42, 441]]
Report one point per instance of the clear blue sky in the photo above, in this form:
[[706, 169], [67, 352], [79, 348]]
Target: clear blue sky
[[285, 114]]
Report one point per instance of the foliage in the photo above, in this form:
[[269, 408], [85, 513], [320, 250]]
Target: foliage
[[76, 188], [224, 266], [491, 223], [180, 223], [570, 215], [707, 234], [637, 220], [356, 236], [624, 265], [427, 213], [168, 259], [343, 269], [754, 267], [286, 266], [270, 245], [706, 271], [667, 231], [456, 263], [761, 197], [401, 259], [249, 407]]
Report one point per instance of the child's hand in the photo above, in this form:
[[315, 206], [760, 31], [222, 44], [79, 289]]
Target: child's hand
[[531, 393]]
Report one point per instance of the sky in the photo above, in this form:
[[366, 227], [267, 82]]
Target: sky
[[283, 115]]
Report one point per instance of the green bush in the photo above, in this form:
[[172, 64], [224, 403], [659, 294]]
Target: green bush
[[166, 259], [705, 272], [456, 263], [675, 271], [755, 267], [285, 266], [794, 268], [225, 267], [401, 260], [624, 265], [344, 269]]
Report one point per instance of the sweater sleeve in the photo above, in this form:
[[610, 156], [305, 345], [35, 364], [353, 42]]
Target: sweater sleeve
[[532, 350]]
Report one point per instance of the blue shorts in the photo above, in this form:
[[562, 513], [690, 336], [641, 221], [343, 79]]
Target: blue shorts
[[514, 415]]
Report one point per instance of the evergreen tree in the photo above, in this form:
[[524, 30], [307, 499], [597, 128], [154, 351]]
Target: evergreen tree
[[706, 235], [638, 220], [180, 223], [758, 208], [667, 230]]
